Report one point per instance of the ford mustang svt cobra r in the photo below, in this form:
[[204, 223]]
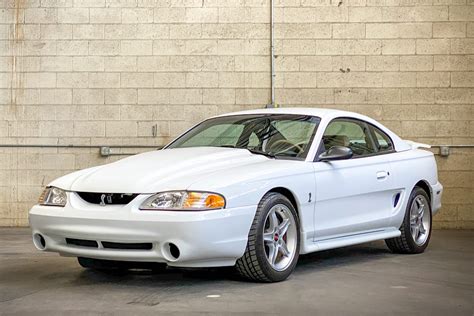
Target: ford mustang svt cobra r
[[252, 189]]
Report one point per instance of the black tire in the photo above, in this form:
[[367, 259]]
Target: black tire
[[405, 243], [111, 265], [253, 265]]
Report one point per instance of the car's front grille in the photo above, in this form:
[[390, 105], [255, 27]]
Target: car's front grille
[[109, 244], [107, 198]]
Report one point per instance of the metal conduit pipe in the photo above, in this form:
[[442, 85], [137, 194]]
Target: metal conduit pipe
[[272, 103], [105, 150], [74, 146], [445, 150]]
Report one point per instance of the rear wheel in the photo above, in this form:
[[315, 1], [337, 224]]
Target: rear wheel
[[273, 243], [416, 226]]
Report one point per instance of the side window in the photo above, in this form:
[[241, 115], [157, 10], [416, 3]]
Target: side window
[[382, 141], [350, 133]]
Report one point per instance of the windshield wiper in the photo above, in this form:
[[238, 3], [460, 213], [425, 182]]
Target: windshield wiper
[[258, 152]]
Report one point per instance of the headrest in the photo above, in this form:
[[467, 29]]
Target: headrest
[[335, 140]]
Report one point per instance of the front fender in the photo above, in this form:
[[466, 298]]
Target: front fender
[[247, 187]]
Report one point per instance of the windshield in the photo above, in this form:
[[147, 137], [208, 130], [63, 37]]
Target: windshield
[[278, 135]]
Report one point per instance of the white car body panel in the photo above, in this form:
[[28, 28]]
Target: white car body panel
[[183, 166], [352, 195], [407, 168], [339, 203]]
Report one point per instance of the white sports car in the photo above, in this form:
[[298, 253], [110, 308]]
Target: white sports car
[[251, 189]]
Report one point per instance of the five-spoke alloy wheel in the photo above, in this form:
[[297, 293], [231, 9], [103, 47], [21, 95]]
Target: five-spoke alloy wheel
[[416, 227], [274, 242], [420, 221], [280, 237]]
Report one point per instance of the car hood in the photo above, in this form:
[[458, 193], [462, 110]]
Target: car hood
[[160, 170]]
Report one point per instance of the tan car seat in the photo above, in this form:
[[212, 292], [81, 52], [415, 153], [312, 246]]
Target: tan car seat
[[335, 140]]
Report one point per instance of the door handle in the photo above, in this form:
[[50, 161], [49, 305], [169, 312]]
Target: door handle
[[382, 175]]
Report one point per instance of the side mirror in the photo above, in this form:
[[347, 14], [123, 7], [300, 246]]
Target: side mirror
[[336, 153]]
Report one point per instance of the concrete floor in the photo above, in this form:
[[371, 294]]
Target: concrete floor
[[364, 279]]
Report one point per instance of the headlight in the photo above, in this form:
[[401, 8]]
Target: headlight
[[184, 200], [53, 196]]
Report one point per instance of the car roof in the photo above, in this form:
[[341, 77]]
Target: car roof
[[320, 112]]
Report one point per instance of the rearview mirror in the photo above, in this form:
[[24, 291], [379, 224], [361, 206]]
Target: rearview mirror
[[336, 153]]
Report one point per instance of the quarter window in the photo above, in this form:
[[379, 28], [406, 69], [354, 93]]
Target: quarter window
[[382, 141], [349, 133]]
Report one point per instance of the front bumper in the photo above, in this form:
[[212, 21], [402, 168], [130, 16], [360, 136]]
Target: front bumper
[[204, 239]]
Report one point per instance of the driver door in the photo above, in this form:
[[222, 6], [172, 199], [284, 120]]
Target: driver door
[[354, 195]]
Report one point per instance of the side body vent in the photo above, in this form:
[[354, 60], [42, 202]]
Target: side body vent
[[396, 199]]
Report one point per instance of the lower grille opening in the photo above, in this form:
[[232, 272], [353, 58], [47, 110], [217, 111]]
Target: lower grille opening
[[109, 244], [127, 246], [82, 243]]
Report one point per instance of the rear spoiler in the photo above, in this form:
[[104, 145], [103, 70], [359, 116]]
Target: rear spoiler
[[415, 145]]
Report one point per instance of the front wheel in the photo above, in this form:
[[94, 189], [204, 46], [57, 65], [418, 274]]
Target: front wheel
[[273, 243], [416, 226]]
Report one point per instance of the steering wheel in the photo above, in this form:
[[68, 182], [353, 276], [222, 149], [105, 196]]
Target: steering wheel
[[287, 142]]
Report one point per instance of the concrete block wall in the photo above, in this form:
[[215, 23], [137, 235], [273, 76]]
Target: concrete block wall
[[109, 71]]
